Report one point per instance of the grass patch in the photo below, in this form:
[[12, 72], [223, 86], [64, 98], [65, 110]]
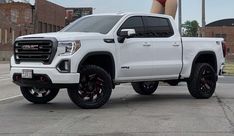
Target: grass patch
[[229, 69]]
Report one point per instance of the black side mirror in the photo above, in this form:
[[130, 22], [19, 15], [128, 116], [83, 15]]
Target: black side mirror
[[126, 33]]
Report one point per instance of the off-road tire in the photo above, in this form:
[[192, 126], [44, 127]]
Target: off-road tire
[[145, 88], [202, 83], [37, 98], [94, 89]]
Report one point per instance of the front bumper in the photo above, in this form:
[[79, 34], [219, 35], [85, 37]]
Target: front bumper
[[45, 77]]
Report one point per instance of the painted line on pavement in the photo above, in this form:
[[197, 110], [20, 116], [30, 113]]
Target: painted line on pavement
[[11, 99], [4, 79]]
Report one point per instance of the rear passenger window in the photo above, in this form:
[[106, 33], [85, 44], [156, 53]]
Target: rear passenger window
[[157, 27], [134, 23]]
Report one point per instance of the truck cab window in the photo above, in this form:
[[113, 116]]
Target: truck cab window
[[157, 27], [134, 23]]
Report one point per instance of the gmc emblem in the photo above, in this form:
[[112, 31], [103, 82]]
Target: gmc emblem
[[30, 47]]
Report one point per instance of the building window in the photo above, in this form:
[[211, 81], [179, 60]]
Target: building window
[[45, 27], [50, 27], [0, 35], [224, 36], [28, 15], [5, 36], [13, 36], [54, 28], [58, 28], [14, 15], [40, 27]]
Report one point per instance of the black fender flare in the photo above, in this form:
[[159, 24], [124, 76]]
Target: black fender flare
[[203, 53], [99, 53]]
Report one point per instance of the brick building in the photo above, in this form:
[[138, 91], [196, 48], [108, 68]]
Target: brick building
[[221, 28], [75, 13], [16, 19], [49, 17], [19, 18]]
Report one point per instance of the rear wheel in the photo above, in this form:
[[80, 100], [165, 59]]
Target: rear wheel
[[202, 82], [39, 96], [145, 88], [94, 89], [173, 82]]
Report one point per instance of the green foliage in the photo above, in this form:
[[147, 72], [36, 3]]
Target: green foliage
[[190, 28]]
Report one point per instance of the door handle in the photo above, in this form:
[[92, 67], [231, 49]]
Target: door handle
[[175, 45], [146, 44]]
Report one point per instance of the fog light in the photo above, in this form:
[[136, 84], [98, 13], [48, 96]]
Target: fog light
[[64, 66]]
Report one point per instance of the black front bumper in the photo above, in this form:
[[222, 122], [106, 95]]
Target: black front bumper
[[40, 81]]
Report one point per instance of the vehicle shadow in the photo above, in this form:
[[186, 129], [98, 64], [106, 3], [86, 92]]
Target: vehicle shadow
[[146, 100], [114, 103]]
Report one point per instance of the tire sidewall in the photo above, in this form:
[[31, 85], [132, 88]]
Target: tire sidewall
[[194, 82], [38, 100]]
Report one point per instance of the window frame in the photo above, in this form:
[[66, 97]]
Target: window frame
[[169, 25], [120, 28]]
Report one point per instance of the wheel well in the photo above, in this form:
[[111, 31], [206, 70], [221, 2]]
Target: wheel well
[[206, 57], [102, 59]]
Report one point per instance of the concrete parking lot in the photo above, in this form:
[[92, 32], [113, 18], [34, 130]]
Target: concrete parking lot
[[171, 111]]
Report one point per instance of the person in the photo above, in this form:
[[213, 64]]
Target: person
[[168, 7]]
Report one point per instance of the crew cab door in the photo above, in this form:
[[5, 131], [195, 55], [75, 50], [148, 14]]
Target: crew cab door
[[134, 61], [165, 47]]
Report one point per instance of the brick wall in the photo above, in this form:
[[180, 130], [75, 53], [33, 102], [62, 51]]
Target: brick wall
[[50, 17], [226, 32], [16, 20]]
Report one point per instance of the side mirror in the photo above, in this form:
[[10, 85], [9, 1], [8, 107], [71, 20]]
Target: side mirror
[[126, 33]]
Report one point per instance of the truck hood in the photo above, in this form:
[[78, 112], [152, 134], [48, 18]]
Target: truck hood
[[66, 36]]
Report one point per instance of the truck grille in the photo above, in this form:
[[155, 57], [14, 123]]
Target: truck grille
[[34, 51]]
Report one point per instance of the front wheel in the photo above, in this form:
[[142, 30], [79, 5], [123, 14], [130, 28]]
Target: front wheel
[[94, 89], [39, 96], [202, 82], [145, 88]]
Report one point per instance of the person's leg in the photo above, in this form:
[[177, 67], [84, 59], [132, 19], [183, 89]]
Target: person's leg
[[157, 7], [171, 8]]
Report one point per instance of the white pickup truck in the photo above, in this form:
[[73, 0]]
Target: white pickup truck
[[93, 54]]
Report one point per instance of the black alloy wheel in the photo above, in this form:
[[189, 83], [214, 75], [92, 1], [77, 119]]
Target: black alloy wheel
[[39, 95], [145, 88], [94, 89], [202, 84]]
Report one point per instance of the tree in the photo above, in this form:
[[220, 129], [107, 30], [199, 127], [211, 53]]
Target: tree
[[190, 28]]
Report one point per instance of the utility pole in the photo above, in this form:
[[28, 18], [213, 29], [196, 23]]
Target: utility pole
[[180, 16], [203, 13]]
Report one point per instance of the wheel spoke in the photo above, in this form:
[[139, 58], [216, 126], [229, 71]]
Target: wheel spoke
[[207, 76], [44, 94], [47, 92], [92, 77], [90, 97], [82, 94], [35, 94], [210, 83], [207, 86], [99, 79]]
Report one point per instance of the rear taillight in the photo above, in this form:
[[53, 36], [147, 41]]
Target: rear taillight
[[224, 49]]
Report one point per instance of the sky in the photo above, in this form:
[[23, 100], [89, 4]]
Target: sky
[[191, 9]]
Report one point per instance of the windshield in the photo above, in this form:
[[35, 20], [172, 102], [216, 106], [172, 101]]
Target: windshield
[[97, 24]]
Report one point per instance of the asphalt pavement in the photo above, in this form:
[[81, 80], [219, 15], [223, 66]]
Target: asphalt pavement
[[171, 111]]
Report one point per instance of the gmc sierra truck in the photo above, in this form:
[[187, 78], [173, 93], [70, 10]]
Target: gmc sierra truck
[[95, 53]]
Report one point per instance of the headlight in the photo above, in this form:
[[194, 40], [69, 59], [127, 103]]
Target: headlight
[[70, 47]]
